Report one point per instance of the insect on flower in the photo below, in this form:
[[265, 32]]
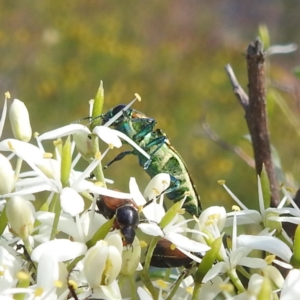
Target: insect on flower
[[163, 157], [126, 212], [166, 257]]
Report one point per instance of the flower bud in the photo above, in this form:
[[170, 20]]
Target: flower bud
[[102, 264], [7, 180], [84, 144], [131, 258], [20, 215], [19, 120]]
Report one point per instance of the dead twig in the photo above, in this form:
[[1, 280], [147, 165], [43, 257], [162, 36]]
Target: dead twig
[[255, 113]]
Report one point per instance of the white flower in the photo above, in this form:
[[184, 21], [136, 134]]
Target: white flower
[[61, 249], [265, 243], [290, 288], [81, 230], [108, 135], [20, 215], [9, 266], [71, 201], [234, 257], [154, 212], [102, 262], [130, 258], [254, 287], [19, 120], [7, 180]]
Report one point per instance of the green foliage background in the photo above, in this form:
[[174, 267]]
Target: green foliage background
[[54, 53]]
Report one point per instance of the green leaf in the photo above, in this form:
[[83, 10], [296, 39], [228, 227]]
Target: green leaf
[[66, 161], [101, 233], [295, 259], [98, 106], [297, 72], [264, 35], [265, 186]]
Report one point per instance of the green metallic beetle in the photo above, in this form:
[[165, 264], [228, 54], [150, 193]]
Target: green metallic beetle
[[163, 157]]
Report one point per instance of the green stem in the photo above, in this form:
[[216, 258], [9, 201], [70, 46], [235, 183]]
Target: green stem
[[133, 288], [236, 281], [98, 172], [145, 272], [57, 212], [3, 220], [243, 272], [196, 292], [18, 168], [29, 251], [176, 286]]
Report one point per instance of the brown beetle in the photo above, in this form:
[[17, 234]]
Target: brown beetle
[[165, 257], [126, 212]]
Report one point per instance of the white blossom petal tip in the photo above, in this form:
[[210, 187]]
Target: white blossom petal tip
[[108, 135]]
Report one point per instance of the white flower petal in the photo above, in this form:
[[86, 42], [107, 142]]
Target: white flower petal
[[95, 189], [244, 217], [71, 202], [63, 131], [132, 143], [48, 271], [108, 135], [290, 288], [217, 269], [252, 262], [157, 185], [213, 213], [28, 152], [62, 249], [186, 243], [7, 180], [154, 212], [151, 229], [135, 192], [265, 243], [3, 116], [111, 291], [116, 241]]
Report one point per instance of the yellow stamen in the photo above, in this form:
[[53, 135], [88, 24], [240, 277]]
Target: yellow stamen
[[226, 287], [270, 258], [143, 244], [236, 208], [98, 155], [11, 147], [138, 97], [38, 292], [47, 155], [161, 283], [22, 275]]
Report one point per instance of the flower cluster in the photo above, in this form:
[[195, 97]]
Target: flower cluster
[[56, 245]]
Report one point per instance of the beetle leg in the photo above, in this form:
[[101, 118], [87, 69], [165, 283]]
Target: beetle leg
[[118, 157], [158, 142]]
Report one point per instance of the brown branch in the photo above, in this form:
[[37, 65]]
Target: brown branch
[[255, 114], [237, 89]]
